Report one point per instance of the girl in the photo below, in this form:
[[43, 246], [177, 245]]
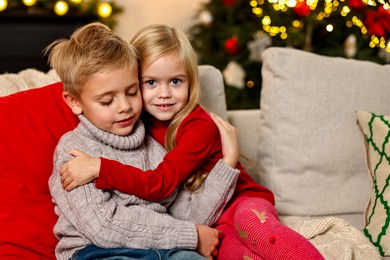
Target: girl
[[170, 91]]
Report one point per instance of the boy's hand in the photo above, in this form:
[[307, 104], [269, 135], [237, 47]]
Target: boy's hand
[[80, 170], [230, 148], [208, 241]]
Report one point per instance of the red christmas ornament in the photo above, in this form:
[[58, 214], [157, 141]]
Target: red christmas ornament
[[302, 9], [231, 46], [228, 3], [378, 22], [357, 5]]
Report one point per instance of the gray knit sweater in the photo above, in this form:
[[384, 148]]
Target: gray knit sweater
[[113, 219]]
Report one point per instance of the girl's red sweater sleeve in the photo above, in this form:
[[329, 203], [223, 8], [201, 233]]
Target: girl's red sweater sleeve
[[196, 140]]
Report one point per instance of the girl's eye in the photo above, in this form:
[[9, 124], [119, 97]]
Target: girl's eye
[[150, 82], [176, 81], [106, 103]]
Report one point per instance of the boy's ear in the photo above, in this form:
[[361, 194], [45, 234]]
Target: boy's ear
[[72, 102]]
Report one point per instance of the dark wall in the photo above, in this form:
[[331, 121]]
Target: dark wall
[[23, 38]]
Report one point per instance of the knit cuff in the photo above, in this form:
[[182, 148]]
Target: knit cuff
[[223, 172], [187, 235]]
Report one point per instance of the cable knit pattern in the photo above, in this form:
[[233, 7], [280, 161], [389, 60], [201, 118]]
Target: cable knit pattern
[[210, 200], [114, 219]]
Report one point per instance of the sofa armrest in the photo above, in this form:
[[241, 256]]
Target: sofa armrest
[[247, 122]]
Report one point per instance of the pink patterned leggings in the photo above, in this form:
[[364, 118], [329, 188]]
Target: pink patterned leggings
[[253, 231]]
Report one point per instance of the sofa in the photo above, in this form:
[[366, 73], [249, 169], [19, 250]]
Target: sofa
[[313, 142]]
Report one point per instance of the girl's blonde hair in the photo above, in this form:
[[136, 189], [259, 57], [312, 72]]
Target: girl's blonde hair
[[92, 48], [156, 41]]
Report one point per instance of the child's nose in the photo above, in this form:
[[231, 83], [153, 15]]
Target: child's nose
[[165, 92], [124, 105]]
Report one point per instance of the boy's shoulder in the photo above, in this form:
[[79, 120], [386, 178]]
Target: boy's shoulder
[[71, 140]]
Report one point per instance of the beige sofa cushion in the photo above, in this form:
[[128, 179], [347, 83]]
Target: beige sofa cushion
[[376, 134], [213, 90], [310, 150]]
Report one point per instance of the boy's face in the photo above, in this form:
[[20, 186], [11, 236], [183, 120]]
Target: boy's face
[[111, 100]]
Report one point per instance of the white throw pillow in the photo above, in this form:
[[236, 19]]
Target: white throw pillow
[[310, 150], [376, 135]]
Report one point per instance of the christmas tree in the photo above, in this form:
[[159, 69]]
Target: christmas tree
[[232, 34]]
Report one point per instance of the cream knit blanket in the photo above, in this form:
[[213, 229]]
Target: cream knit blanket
[[26, 79], [334, 237]]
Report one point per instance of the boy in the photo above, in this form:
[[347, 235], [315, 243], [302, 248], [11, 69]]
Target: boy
[[100, 75]]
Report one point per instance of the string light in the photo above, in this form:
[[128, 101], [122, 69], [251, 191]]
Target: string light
[[369, 2], [291, 3], [3, 5], [329, 27], [61, 8], [29, 2], [263, 10], [345, 11], [266, 20], [104, 10]]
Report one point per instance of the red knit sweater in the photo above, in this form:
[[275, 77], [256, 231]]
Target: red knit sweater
[[198, 146]]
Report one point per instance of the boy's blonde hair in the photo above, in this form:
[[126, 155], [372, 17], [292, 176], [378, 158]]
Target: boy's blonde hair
[[92, 48], [156, 41]]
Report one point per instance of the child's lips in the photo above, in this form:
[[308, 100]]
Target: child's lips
[[125, 122], [164, 106]]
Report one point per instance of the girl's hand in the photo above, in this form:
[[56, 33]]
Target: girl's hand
[[208, 241], [80, 170], [230, 149]]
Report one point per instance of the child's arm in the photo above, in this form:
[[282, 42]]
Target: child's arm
[[80, 170], [194, 148], [229, 139], [107, 222], [206, 204]]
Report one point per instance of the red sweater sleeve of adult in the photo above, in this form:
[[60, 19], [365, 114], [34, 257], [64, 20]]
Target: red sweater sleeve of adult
[[195, 144]]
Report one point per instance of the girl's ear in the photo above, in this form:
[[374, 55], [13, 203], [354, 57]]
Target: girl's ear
[[72, 102]]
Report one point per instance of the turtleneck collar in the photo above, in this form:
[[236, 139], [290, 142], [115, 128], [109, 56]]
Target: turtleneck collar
[[131, 141]]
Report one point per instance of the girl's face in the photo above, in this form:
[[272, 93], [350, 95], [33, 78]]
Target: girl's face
[[164, 86], [111, 100]]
